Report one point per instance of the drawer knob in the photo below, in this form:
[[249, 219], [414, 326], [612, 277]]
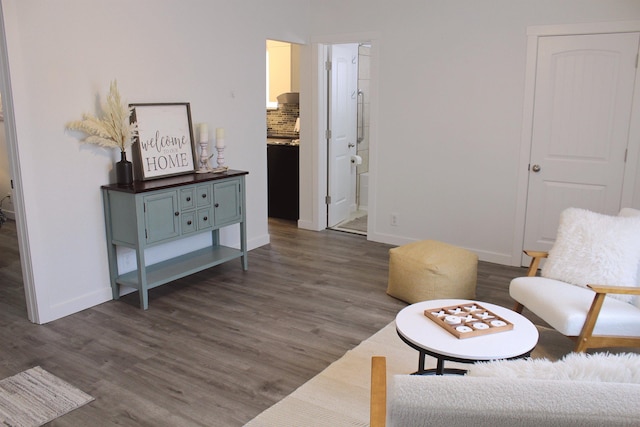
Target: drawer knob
[[205, 218], [204, 196], [177, 214], [188, 222], [188, 199], [216, 205]]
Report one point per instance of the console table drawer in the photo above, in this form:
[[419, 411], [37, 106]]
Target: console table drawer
[[203, 195], [187, 198]]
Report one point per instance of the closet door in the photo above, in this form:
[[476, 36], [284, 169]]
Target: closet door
[[582, 110]]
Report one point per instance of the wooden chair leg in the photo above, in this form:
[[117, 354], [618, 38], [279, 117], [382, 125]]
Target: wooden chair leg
[[518, 307], [378, 410], [582, 343]]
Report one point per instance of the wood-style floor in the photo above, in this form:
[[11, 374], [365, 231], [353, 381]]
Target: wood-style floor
[[218, 347]]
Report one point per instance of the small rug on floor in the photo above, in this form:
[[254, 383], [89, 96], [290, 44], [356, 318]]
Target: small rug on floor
[[339, 395], [35, 397]]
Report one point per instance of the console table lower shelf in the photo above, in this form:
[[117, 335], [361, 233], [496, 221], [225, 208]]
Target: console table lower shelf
[[177, 268]]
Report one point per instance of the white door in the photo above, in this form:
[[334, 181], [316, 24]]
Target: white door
[[343, 88], [583, 96]]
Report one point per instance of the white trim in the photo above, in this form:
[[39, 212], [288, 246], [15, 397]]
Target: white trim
[[589, 28], [33, 312], [525, 151], [318, 182], [534, 33], [629, 184], [374, 121]]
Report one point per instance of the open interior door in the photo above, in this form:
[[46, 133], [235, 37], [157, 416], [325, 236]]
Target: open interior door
[[341, 135]]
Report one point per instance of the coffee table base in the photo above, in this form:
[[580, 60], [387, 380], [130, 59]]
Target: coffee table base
[[440, 369]]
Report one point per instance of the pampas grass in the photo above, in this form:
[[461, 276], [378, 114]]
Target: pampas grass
[[114, 129]]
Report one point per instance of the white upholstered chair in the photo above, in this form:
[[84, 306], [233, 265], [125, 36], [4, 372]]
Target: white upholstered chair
[[588, 288]]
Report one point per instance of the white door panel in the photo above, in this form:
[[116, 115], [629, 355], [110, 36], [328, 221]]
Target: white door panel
[[342, 123], [581, 117]]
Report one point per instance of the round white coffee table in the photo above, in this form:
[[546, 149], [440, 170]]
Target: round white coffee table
[[429, 338]]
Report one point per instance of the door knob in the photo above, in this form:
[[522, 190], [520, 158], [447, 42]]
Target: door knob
[[535, 168], [351, 145]]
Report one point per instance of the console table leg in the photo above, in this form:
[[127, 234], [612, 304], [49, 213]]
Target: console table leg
[[142, 279], [144, 299]]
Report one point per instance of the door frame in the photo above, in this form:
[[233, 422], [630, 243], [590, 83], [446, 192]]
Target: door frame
[[313, 157], [16, 178], [629, 185]]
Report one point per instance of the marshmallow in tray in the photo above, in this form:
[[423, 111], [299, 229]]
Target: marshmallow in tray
[[480, 326], [452, 320]]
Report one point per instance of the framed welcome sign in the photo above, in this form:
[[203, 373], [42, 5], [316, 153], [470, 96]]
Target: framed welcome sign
[[164, 145]]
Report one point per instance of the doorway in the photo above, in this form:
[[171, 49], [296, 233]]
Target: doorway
[[348, 77], [283, 129], [6, 202], [14, 177]]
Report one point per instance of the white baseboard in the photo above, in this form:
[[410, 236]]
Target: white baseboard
[[488, 256]]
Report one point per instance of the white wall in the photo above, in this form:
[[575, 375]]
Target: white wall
[[449, 82], [450, 86], [62, 56]]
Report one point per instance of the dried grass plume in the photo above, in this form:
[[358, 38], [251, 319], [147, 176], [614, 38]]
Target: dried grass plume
[[114, 129]]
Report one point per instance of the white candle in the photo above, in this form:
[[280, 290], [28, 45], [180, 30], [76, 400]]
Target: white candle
[[204, 132], [220, 137]]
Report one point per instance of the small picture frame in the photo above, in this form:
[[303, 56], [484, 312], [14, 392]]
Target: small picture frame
[[164, 145]]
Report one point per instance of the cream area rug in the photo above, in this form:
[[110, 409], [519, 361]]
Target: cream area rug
[[339, 395], [35, 397]]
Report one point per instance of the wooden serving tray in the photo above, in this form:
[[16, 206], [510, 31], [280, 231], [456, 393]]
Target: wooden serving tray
[[471, 320]]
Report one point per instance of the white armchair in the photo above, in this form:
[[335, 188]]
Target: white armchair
[[588, 289]]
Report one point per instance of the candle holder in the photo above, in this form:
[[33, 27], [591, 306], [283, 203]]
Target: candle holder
[[220, 156], [204, 158], [221, 166], [220, 148]]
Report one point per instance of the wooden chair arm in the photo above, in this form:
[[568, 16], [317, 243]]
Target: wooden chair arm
[[605, 289], [586, 335], [378, 413], [536, 256]]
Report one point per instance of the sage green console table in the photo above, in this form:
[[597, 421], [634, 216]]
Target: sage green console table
[[149, 213]]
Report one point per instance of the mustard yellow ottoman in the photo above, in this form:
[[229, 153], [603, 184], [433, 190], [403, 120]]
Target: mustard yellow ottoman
[[429, 269]]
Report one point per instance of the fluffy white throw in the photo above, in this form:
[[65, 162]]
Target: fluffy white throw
[[592, 248], [599, 367]]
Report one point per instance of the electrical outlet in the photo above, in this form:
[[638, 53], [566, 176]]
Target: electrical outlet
[[394, 219]]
